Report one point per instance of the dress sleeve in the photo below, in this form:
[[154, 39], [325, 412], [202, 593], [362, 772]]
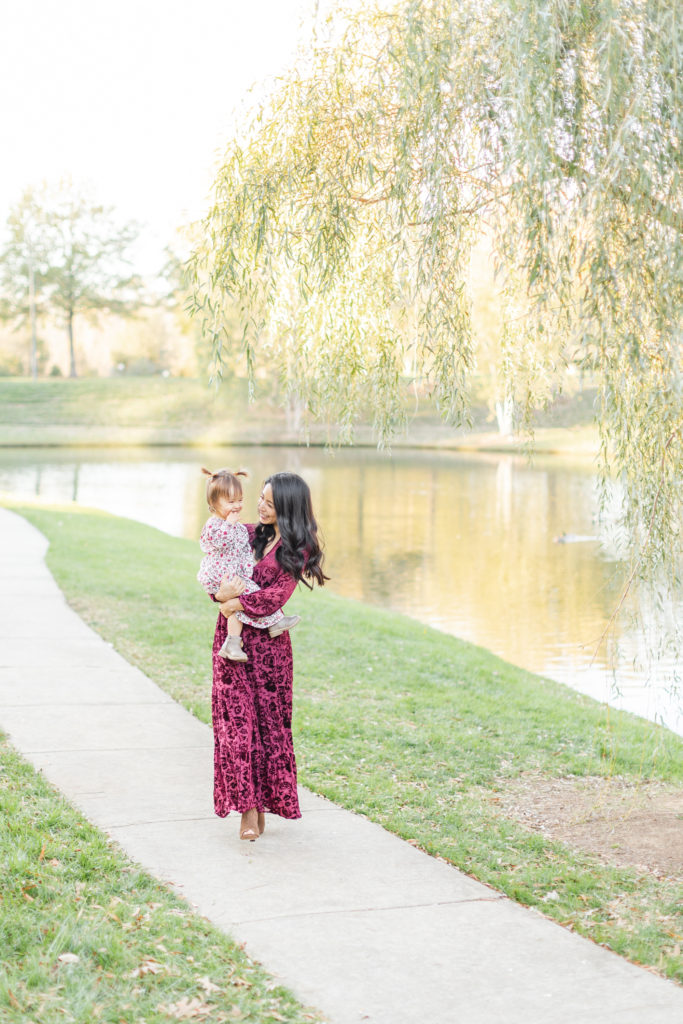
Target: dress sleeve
[[213, 535], [269, 598]]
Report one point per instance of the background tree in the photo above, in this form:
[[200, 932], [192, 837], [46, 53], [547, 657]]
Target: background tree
[[23, 270], [346, 210], [74, 255]]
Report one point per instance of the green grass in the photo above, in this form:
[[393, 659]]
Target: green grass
[[411, 727], [152, 410], [142, 954], [136, 410]]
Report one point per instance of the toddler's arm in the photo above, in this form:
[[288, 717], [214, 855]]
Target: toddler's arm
[[224, 542], [218, 533]]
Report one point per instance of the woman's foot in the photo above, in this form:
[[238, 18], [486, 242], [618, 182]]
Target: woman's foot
[[261, 823], [232, 649], [249, 826], [286, 622]]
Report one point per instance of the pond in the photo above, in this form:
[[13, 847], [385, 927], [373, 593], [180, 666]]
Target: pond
[[496, 551]]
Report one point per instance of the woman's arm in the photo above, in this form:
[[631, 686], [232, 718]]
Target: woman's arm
[[269, 598], [230, 588]]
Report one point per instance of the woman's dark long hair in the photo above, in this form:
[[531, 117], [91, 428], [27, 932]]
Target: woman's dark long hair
[[300, 553]]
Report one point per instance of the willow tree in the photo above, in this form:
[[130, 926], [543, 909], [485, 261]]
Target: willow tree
[[345, 211]]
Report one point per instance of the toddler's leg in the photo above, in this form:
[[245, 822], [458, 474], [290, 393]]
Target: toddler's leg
[[285, 622], [232, 648], [234, 626], [275, 623]]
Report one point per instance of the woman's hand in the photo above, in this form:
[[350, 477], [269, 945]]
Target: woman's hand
[[230, 588], [229, 608]]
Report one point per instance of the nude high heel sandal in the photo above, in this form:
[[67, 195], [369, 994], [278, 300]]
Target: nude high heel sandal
[[261, 823], [249, 829]]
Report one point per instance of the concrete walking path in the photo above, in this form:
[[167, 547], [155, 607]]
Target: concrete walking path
[[355, 921]]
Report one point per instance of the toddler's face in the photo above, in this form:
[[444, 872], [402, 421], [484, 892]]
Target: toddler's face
[[224, 506]]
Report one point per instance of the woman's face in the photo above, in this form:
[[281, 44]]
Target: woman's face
[[266, 508]]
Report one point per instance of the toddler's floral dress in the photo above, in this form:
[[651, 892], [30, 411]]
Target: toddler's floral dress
[[228, 552]]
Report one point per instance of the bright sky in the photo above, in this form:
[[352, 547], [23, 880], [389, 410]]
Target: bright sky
[[135, 97]]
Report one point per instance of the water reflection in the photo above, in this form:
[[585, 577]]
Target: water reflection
[[465, 543]]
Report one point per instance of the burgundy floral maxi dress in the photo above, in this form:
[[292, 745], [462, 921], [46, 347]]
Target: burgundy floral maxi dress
[[254, 763]]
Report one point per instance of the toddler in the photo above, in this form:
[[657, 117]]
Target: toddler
[[225, 542]]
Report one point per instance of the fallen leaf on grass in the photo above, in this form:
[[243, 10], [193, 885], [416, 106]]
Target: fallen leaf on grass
[[207, 985], [148, 966], [185, 1009], [69, 958]]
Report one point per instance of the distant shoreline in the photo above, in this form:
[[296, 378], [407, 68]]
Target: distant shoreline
[[150, 412], [541, 446]]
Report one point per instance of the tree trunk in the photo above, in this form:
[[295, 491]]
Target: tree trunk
[[70, 332], [32, 313], [74, 490], [505, 414], [294, 413]]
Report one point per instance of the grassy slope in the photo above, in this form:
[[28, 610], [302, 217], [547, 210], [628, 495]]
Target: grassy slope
[[409, 726], [151, 410], [142, 953], [138, 410]]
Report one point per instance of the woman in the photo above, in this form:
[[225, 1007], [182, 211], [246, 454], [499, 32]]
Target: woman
[[254, 766]]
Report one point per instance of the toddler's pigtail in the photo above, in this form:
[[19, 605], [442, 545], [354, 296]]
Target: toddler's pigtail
[[223, 483]]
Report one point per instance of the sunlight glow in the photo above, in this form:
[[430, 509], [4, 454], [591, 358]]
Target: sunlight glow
[[136, 98]]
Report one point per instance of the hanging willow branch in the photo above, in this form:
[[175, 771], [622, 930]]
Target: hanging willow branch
[[345, 214]]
